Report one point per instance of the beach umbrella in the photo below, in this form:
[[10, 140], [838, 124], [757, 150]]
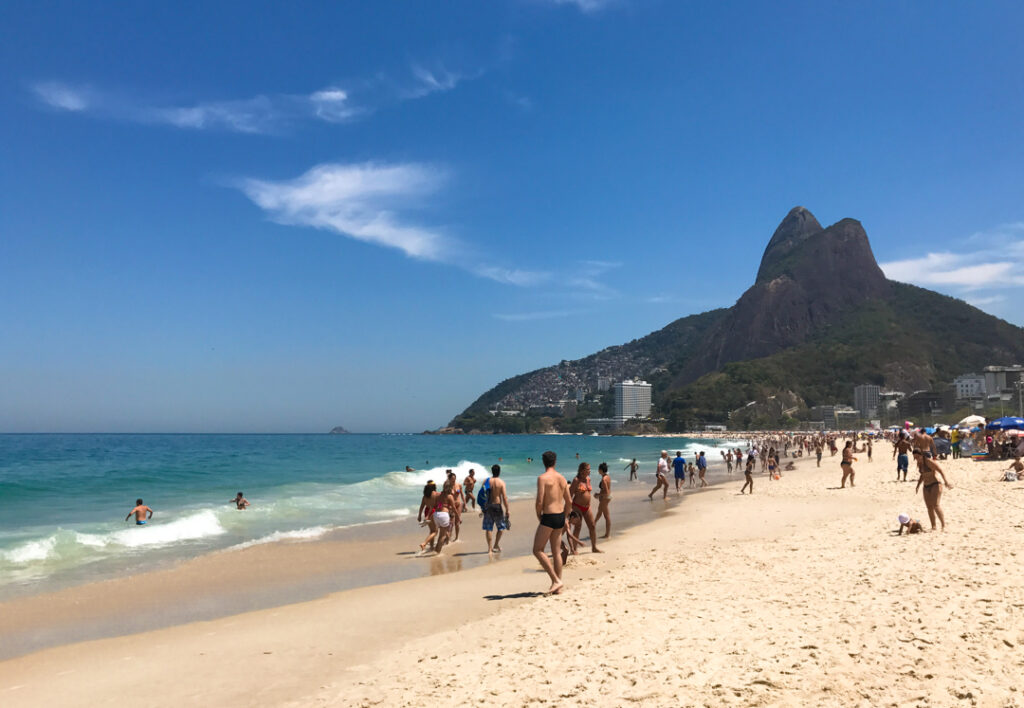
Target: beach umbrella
[[972, 420], [929, 430], [1013, 432], [1006, 423]]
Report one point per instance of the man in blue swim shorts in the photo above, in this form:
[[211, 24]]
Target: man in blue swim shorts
[[142, 513], [679, 468], [496, 510]]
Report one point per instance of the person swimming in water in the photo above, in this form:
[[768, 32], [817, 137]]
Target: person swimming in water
[[142, 513], [240, 502]]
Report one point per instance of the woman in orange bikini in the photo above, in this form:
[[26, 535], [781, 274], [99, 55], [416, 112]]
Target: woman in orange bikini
[[581, 492]]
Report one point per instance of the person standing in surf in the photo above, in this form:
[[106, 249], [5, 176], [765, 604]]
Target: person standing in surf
[[142, 513], [580, 491], [604, 497]]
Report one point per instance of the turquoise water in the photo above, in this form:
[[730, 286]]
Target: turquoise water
[[63, 498]]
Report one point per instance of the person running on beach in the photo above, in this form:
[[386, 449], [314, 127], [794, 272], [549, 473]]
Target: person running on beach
[[632, 467], [928, 469], [661, 475], [426, 514], [142, 513], [552, 503], [679, 469], [847, 464], [702, 468], [240, 502], [467, 488], [748, 473], [496, 512], [581, 492], [604, 496], [900, 450]]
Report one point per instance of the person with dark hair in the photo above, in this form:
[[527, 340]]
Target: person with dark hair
[[581, 491], [847, 464], [425, 516], [604, 496], [702, 468], [899, 451], [748, 473], [467, 489], [632, 467], [496, 510], [679, 468], [142, 513], [929, 471], [240, 502], [552, 503]]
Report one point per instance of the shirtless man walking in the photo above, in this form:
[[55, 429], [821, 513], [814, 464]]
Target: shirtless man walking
[[467, 487], [496, 511], [552, 504], [604, 496], [580, 492], [632, 467], [900, 451], [142, 513]]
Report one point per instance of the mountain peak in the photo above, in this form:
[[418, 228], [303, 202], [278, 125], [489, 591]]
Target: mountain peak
[[798, 226]]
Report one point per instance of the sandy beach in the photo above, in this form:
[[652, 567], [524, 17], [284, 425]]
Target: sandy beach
[[800, 594]]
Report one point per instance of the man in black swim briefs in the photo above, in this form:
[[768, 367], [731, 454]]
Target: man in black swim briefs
[[553, 501]]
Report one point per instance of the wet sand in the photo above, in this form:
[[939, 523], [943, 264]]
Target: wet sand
[[230, 582]]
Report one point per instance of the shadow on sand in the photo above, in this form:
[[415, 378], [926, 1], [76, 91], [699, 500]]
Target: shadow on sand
[[514, 596]]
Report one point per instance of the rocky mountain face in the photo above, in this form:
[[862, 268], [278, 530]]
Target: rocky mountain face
[[820, 318]]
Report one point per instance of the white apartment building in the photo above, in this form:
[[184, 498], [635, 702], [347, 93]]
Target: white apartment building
[[632, 399], [969, 386]]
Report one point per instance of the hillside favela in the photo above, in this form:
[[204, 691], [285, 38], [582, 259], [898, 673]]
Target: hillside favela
[[520, 353]]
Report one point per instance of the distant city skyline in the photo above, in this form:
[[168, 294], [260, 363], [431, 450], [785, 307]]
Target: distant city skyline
[[249, 217]]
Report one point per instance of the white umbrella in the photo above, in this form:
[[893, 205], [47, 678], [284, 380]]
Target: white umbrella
[[971, 421]]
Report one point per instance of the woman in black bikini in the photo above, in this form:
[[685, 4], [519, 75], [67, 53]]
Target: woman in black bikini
[[928, 469], [847, 464]]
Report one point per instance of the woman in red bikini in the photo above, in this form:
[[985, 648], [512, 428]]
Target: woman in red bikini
[[581, 492]]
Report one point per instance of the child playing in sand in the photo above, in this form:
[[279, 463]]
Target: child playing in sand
[[1014, 472], [911, 525], [573, 541]]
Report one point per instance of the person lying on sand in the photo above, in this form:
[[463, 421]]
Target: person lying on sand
[[911, 525]]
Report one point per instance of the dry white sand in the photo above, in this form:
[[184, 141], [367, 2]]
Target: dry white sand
[[798, 595]]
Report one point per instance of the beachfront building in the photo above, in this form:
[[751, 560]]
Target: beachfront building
[[632, 400], [969, 386], [865, 399], [1000, 379], [847, 418]]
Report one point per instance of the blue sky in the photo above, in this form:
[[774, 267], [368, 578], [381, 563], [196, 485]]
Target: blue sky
[[283, 217]]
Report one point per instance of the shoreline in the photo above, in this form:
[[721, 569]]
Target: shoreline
[[232, 581]]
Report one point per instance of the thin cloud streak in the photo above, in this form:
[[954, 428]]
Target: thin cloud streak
[[374, 203], [585, 6], [262, 114], [532, 316]]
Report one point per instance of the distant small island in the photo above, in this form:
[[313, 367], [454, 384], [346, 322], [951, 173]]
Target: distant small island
[[338, 430]]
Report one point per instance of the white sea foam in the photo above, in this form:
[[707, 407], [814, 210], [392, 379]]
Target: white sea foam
[[202, 524], [31, 551], [297, 535]]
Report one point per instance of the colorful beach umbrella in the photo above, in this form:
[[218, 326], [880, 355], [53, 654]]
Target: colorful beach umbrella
[[1006, 423]]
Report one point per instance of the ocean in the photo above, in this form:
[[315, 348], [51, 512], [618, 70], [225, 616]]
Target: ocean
[[63, 498]]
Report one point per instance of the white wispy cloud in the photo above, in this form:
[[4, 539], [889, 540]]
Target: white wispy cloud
[[62, 96], [586, 6], [376, 203], [362, 201], [531, 316], [989, 259], [270, 113]]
